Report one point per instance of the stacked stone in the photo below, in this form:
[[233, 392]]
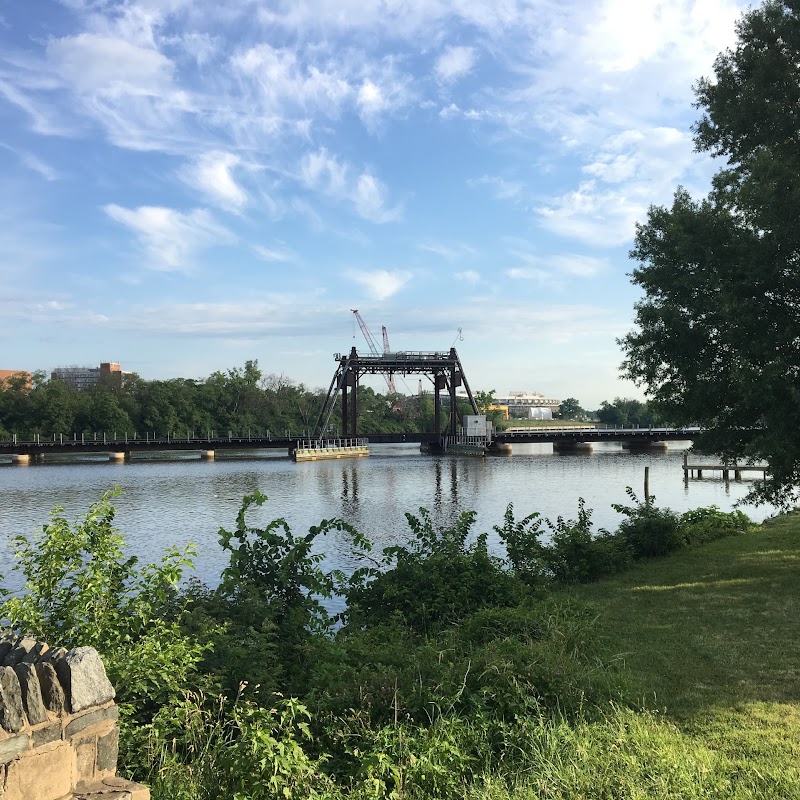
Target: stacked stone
[[58, 724]]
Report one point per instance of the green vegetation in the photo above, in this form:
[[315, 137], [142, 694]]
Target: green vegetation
[[581, 663], [716, 333], [241, 400]]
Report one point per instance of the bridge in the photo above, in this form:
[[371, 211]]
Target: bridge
[[120, 448], [446, 373]]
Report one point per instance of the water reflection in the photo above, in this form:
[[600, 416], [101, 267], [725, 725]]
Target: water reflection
[[176, 501]]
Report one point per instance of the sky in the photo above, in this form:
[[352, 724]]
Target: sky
[[186, 184]]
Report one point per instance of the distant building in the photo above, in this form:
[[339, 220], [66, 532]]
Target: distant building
[[82, 377], [521, 404], [5, 374]]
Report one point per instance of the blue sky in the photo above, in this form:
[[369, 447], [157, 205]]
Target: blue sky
[[187, 184]]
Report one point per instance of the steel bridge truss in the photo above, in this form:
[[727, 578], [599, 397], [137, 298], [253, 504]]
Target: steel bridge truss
[[444, 370]]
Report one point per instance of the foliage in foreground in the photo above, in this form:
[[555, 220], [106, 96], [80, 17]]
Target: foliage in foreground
[[451, 671]]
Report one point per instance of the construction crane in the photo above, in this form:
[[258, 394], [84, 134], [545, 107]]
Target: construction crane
[[387, 349], [374, 347]]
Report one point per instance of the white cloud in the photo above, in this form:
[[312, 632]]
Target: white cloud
[[33, 162], [212, 174], [501, 188], [273, 254], [454, 63], [469, 276], [324, 173], [370, 200], [90, 63], [449, 251], [170, 237], [380, 284], [631, 170], [276, 80]]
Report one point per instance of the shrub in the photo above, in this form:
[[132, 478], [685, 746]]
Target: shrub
[[707, 524], [81, 589], [576, 555], [646, 530], [436, 580]]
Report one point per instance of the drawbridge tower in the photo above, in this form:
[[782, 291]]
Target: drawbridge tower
[[443, 368]]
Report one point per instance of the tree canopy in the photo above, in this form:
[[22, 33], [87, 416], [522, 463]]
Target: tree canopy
[[717, 331]]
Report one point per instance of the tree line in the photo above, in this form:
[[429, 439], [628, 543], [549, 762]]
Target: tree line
[[242, 400]]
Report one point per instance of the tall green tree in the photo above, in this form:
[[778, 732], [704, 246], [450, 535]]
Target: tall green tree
[[717, 331]]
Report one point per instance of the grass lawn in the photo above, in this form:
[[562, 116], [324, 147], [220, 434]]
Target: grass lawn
[[711, 638]]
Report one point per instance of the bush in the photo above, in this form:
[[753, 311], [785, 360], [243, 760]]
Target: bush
[[648, 531], [707, 524], [435, 581], [81, 589], [576, 555]]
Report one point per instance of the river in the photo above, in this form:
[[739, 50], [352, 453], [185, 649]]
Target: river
[[175, 498]]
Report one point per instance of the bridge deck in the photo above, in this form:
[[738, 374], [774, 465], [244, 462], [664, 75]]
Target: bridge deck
[[138, 445]]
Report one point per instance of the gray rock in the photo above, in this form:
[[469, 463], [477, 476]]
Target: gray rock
[[11, 748], [20, 650], [81, 723], [46, 734], [36, 653], [107, 751], [52, 692], [83, 676], [11, 715], [31, 694], [52, 655]]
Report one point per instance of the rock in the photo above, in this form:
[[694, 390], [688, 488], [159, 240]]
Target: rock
[[21, 649], [11, 714], [83, 676], [52, 692], [31, 693]]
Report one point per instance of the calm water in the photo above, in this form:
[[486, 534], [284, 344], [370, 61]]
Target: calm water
[[175, 499]]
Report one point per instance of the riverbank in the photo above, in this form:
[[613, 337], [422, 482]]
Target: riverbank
[[451, 673], [711, 638]]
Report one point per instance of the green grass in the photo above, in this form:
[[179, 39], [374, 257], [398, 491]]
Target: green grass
[[711, 638]]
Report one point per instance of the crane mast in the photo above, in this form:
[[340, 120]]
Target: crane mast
[[372, 344]]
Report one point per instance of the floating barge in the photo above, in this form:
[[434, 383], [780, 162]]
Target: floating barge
[[322, 449]]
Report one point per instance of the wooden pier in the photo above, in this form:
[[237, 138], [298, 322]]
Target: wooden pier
[[696, 470]]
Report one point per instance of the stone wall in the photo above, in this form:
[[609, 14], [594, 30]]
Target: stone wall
[[58, 725]]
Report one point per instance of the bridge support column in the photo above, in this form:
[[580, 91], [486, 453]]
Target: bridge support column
[[638, 445], [571, 446], [207, 455], [118, 458], [496, 449], [21, 459]]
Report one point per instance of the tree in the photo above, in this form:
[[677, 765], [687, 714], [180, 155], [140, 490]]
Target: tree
[[717, 332], [570, 408]]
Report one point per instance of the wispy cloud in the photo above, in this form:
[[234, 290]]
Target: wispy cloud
[[212, 175], [380, 284], [501, 188], [33, 162], [274, 254], [325, 173], [454, 63], [171, 238]]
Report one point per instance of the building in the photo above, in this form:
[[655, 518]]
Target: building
[[82, 377], [6, 374], [532, 406]]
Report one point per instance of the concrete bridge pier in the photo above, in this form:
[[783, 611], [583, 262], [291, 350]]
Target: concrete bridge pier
[[497, 449], [23, 459], [639, 445], [207, 455], [118, 458], [571, 446]]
